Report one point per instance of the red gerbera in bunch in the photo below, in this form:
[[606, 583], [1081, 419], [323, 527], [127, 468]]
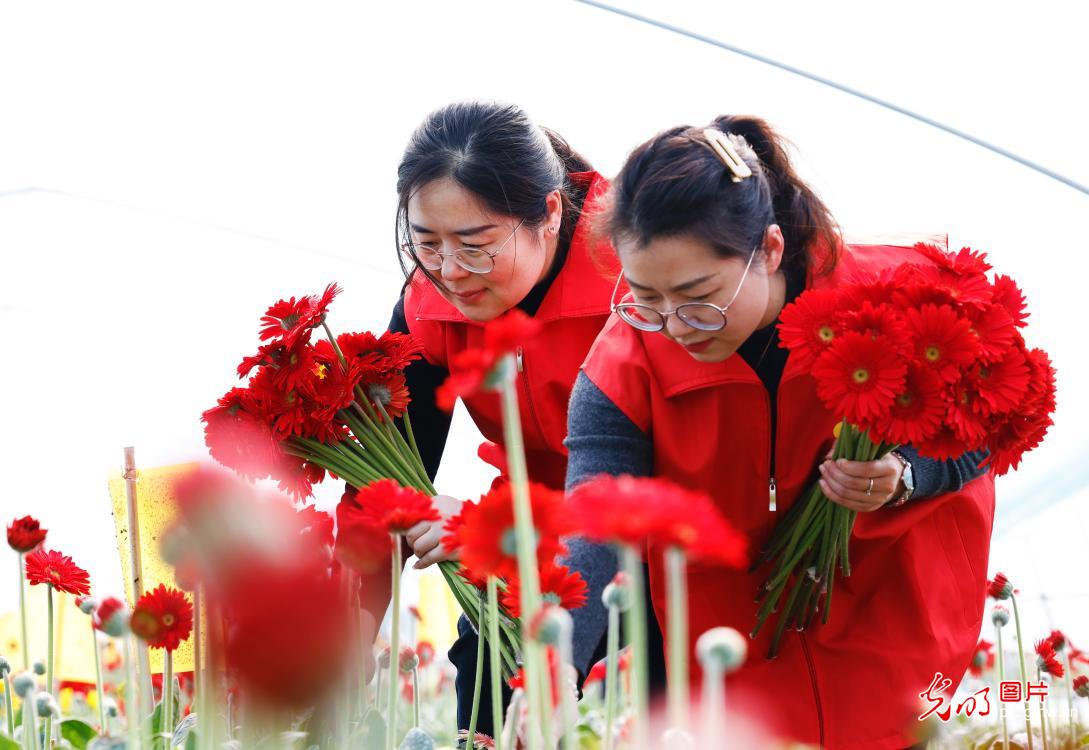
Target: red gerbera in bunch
[[24, 534], [388, 506], [471, 369], [810, 325], [238, 435], [874, 320], [559, 586], [942, 339], [982, 658], [918, 410], [57, 570], [485, 533], [163, 618], [859, 376], [290, 322], [1046, 659]]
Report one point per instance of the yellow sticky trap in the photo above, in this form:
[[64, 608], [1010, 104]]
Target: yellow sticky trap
[[155, 513]]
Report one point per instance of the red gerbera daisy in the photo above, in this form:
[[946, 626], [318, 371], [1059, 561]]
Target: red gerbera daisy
[[485, 532], [1046, 660], [387, 505], [964, 417], [238, 435], [994, 330], [808, 326], [943, 340], [874, 320], [506, 333], [297, 476], [982, 658], [57, 570], [359, 544], [1009, 295], [559, 586], [999, 588], [290, 322], [469, 370], [1002, 384], [859, 377], [391, 391], [162, 617], [918, 410], [1081, 686], [965, 262], [24, 534]]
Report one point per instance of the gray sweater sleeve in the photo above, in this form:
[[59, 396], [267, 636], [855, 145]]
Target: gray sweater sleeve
[[600, 440]]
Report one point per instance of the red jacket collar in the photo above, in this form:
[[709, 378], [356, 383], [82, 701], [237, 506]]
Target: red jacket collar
[[581, 288]]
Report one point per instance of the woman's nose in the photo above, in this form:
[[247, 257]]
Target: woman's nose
[[676, 327], [451, 271]]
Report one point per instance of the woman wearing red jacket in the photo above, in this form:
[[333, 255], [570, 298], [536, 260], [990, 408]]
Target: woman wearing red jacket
[[489, 219], [690, 368]]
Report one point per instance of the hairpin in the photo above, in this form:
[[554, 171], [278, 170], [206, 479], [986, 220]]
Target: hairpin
[[725, 150]]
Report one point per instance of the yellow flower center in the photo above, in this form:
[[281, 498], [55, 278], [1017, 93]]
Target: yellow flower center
[[319, 370], [168, 620], [933, 353], [826, 333], [904, 400], [861, 375]]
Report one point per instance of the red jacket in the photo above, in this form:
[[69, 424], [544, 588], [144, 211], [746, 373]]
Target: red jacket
[[914, 601], [573, 311]]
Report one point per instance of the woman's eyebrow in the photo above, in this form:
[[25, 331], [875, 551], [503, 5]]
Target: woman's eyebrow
[[679, 288], [466, 231]]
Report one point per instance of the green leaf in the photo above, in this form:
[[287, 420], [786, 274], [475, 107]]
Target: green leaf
[[6, 743], [79, 733]]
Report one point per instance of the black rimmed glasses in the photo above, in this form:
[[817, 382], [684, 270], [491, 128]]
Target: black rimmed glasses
[[702, 316], [472, 259]]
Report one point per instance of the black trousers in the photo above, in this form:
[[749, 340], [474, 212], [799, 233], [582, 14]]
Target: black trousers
[[463, 656]]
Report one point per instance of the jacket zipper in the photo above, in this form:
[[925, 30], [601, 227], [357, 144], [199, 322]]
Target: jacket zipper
[[813, 680], [520, 363]]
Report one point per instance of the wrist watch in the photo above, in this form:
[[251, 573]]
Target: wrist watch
[[908, 478]]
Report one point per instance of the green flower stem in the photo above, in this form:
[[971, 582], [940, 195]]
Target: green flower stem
[[412, 439], [377, 446], [166, 714], [394, 643], [49, 663], [479, 676], [467, 597], [1069, 694], [415, 697], [408, 453], [22, 611], [9, 709], [612, 674], [637, 628], [677, 594], [378, 690], [496, 680], [98, 680], [1024, 672], [1043, 719], [380, 434], [1001, 679], [30, 724], [780, 626], [526, 542]]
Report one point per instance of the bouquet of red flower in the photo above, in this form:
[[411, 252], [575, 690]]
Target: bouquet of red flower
[[927, 355], [328, 407]]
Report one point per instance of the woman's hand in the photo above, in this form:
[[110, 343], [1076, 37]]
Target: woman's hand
[[861, 485], [425, 538]]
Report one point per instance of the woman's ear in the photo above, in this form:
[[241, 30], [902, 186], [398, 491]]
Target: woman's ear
[[773, 248], [553, 212]]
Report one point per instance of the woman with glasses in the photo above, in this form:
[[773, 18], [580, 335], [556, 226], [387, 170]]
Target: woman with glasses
[[716, 233], [489, 219]]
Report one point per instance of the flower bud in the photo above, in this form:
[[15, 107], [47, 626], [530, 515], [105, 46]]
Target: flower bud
[[1000, 587], [1000, 616], [112, 617], [618, 593], [722, 648], [407, 661], [86, 604], [39, 668], [24, 684], [383, 658], [417, 739], [5, 667], [1081, 686], [46, 705], [550, 625]]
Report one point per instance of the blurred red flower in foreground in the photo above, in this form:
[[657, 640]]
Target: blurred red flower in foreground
[[471, 368], [162, 617], [388, 506], [24, 534], [58, 571]]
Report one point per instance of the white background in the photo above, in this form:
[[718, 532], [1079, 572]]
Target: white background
[[168, 171]]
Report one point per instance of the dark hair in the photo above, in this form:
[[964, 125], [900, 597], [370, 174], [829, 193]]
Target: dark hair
[[498, 154], [675, 184]]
